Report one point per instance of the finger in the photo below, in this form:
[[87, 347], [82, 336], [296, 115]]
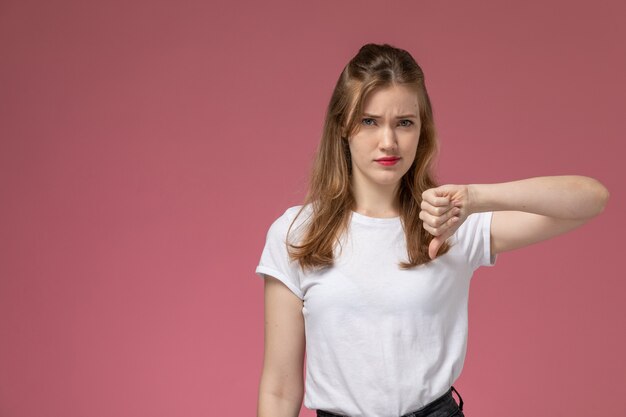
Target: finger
[[438, 241], [435, 210], [436, 196], [433, 248], [435, 199], [440, 230], [436, 220]]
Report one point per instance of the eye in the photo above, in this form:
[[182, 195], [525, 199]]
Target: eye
[[407, 124], [368, 121]]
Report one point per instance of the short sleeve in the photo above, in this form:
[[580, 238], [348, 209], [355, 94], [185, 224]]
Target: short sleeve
[[474, 238], [275, 258]]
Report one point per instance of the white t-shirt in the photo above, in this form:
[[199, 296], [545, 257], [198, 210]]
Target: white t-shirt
[[380, 341]]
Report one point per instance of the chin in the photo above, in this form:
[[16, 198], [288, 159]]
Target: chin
[[389, 181]]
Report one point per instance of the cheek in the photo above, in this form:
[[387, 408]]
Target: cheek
[[411, 152], [360, 144], [410, 145]]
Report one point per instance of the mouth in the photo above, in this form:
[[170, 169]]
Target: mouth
[[388, 161]]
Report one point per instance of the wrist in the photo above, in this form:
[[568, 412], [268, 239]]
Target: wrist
[[473, 193], [478, 198]]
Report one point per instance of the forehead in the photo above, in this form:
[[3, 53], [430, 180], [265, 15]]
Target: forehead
[[394, 99]]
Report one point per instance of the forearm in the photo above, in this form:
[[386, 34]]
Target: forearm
[[271, 405], [565, 196]]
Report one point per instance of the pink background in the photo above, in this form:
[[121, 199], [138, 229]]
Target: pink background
[[146, 147]]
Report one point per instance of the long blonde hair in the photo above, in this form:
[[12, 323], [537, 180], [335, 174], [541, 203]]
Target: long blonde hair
[[330, 191]]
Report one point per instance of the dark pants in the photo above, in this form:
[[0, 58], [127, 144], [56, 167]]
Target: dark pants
[[444, 406]]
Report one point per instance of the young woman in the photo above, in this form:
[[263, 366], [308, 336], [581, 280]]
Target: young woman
[[371, 274]]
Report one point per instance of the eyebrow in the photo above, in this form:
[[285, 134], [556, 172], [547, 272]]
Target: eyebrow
[[404, 116]]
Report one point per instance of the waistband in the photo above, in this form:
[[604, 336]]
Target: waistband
[[438, 404]]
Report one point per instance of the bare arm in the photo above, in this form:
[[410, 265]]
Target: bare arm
[[282, 387], [525, 211], [535, 209]]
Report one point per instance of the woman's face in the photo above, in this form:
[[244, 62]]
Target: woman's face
[[389, 128]]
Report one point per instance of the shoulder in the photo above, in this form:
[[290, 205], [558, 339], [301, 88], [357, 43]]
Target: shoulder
[[474, 238], [290, 214], [292, 211], [293, 217], [474, 226]]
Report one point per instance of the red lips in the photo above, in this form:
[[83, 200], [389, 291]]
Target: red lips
[[388, 158]]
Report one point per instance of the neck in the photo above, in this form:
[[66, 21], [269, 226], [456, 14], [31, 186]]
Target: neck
[[375, 200]]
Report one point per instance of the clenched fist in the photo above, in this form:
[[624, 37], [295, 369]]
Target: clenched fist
[[444, 209]]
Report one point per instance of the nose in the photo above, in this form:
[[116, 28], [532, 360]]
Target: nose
[[388, 140]]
